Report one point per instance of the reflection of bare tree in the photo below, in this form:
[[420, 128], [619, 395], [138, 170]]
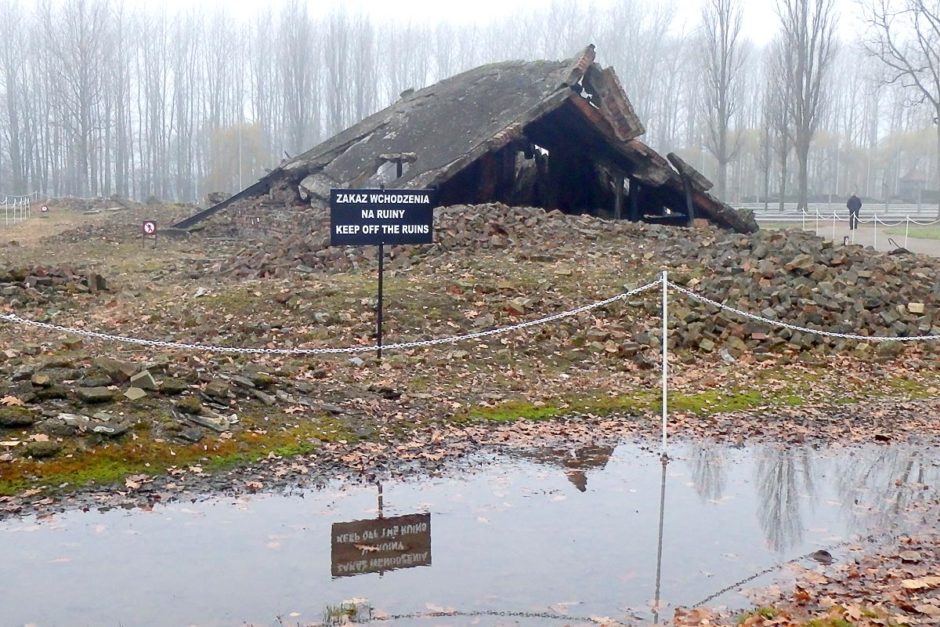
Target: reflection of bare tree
[[708, 471], [784, 478], [891, 484]]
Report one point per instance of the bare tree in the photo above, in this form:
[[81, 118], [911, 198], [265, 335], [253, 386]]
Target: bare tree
[[724, 60], [12, 78], [905, 36], [808, 27]]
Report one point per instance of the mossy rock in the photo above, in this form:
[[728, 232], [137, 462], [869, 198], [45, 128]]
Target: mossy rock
[[189, 405], [262, 380], [95, 395], [41, 450], [52, 392], [173, 387], [14, 417], [217, 389]]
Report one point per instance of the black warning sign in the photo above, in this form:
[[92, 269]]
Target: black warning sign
[[381, 216]]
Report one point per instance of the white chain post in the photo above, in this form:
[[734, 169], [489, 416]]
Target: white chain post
[[875, 221], [907, 229], [803, 211], [665, 314], [833, 226]]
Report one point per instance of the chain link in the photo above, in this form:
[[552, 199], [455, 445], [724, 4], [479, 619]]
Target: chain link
[[325, 351], [498, 613], [793, 327]]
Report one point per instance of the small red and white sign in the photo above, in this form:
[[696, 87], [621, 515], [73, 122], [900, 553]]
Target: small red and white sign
[[44, 209], [150, 227]]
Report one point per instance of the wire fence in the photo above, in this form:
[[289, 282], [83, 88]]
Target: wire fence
[[16, 209], [875, 220]]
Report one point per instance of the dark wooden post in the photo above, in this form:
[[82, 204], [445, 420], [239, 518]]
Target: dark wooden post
[[689, 205], [618, 198], [634, 200]]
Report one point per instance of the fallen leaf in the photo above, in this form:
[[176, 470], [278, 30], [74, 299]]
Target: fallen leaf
[[924, 583]]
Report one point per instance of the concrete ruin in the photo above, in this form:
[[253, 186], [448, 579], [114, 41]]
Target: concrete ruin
[[552, 134]]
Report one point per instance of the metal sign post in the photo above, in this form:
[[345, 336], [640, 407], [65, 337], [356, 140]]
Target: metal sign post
[[148, 229], [378, 314]]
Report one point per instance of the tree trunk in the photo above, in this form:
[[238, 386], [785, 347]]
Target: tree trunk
[[802, 157], [938, 163]]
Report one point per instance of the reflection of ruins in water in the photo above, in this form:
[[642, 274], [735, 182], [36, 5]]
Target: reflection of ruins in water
[[574, 461]]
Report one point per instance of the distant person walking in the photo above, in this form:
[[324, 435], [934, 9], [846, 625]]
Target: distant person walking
[[855, 205]]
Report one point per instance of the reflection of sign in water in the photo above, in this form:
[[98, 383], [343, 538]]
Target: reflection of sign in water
[[374, 546]]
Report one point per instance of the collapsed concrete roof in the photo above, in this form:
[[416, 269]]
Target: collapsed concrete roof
[[553, 134]]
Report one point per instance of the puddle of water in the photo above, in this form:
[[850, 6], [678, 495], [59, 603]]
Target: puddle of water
[[553, 532]]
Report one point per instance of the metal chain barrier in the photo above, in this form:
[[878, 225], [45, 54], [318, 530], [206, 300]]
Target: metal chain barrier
[[793, 327], [322, 351], [772, 568], [500, 613]]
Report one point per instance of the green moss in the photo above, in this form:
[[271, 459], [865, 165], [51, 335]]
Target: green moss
[[716, 401], [643, 401], [516, 410], [829, 622], [114, 461], [763, 612]]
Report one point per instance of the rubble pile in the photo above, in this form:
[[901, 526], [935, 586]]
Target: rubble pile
[[787, 275], [37, 285], [804, 280], [529, 231]]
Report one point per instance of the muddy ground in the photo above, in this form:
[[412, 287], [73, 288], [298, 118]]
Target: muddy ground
[[90, 423]]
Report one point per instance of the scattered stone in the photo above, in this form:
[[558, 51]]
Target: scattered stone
[[242, 381], [135, 394], [96, 395], [915, 308], [357, 362], [14, 417], [143, 380], [217, 389], [42, 450], [42, 380], [72, 343], [119, 371], [95, 382], [173, 387], [218, 424], [24, 372], [262, 379], [52, 392], [111, 430], [191, 434]]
